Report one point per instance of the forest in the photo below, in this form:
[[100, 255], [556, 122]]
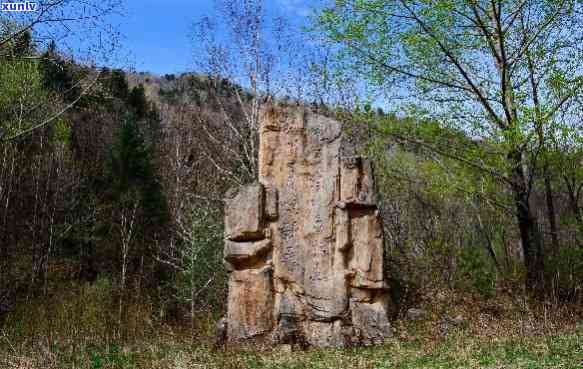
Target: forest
[[112, 180]]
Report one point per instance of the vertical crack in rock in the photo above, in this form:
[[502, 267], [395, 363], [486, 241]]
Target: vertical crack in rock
[[304, 245]]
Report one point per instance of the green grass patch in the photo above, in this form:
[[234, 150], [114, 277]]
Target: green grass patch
[[459, 351]]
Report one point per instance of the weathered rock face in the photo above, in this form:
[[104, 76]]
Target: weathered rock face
[[304, 245]]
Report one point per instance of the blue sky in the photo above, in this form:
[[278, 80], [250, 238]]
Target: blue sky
[[156, 33]]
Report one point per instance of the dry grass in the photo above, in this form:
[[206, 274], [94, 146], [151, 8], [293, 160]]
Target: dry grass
[[78, 331]]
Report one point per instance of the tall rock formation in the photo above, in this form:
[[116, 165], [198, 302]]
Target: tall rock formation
[[304, 245]]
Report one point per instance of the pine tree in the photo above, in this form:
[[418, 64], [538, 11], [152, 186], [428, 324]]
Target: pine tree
[[57, 74], [130, 170], [137, 101]]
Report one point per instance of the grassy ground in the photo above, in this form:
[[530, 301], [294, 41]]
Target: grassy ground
[[80, 329], [457, 351]]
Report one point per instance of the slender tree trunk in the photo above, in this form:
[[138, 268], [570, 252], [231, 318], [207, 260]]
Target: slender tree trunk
[[192, 296], [489, 246], [508, 261], [573, 194], [6, 187], [127, 233], [531, 239], [551, 214]]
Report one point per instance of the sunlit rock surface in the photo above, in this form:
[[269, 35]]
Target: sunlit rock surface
[[305, 244]]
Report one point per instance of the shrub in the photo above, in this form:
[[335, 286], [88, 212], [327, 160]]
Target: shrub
[[476, 270], [565, 272]]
